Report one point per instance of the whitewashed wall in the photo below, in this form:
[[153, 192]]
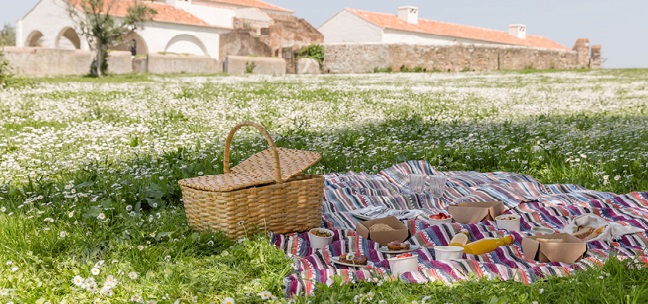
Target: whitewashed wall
[[181, 39], [395, 37], [347, 27], [49, 17], [215, 16]]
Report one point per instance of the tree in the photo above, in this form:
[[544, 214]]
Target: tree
[[97, 24], [5, 70], [8, 35]]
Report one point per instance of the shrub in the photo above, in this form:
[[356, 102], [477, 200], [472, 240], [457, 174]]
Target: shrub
[[8, 35], [6, 73], [382, 70], [314, 51], [249, 67]]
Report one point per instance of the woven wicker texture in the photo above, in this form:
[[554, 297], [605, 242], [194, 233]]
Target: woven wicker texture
[[266, 191], [268, 166], [295, 205]]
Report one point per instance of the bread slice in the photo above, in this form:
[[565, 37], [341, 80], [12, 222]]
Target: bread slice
[[583, 232], [594, 233]]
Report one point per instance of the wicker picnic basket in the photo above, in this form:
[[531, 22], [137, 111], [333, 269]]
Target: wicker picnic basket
[[267, 191]]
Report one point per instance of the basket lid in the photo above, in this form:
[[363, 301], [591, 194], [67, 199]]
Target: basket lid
[[257, 170]]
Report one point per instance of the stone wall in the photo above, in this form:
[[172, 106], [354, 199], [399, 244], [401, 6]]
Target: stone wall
[[595, 58], [288, 31], [34, 61], [120, 62], [172, 64], [242, 43], [307, 66], [40, 62], [239, 65], [365, 58]]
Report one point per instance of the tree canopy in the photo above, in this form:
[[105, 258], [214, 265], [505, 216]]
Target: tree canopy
[[97, 22], [8, 35]]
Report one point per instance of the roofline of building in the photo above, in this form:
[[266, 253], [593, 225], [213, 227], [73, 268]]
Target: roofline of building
[[430, 20]]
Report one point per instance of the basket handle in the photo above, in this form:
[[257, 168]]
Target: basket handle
[[271, 144]]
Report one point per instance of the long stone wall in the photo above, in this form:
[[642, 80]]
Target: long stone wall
[[366, 58], [239, 65], [38, 62], [170, 63], [339, 58]]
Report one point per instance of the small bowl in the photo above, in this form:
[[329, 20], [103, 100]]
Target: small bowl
[[438, 222], [543, 230], [400, 265], [446, 253], [510, 222], [318, 242]]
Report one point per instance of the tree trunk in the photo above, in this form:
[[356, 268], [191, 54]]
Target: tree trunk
[[99, 59]]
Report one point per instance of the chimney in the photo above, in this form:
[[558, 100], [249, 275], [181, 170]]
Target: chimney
[[517, 30], [408, 14], [178, 3]]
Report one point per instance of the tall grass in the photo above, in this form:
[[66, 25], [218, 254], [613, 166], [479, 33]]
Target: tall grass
[[90, 209]]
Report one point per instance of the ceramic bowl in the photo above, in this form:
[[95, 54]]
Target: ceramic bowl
[[400, 265], [443, 221], [510, 222], [318, 242], [446, 253]]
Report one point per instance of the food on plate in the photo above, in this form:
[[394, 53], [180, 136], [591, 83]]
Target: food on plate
[[396, 245], [594, 233], [350, 258], [321, 233], [544, 240], [507, 218], [588, 233], [439, 216], [583, 232], [404, 255], [380, 227]]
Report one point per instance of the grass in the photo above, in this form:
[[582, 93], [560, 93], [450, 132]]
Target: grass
[[89, 171]]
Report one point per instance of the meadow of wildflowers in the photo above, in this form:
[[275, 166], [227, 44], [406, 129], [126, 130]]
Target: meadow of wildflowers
[[90, 210]]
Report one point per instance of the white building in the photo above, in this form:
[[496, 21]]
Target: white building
[[180, 26], [356, 26]]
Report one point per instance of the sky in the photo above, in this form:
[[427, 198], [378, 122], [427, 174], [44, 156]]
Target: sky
[[620, 27]]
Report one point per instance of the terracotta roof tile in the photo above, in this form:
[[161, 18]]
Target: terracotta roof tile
[[165, 13], [253, 3], [431, 27]]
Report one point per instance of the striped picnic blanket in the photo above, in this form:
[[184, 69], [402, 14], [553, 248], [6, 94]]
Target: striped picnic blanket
[[545, 205]]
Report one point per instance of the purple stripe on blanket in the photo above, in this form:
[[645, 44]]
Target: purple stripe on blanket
[[548, 205]]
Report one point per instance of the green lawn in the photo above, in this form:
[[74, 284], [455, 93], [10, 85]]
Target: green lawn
[[90, 209]]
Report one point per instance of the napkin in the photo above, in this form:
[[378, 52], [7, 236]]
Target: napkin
[[612, 230]]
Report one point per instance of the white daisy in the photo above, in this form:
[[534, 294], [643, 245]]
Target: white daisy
[[132, 275], [77, 280], [265, 295]]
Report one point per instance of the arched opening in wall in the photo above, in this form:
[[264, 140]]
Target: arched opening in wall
[[68, 39], [133, 43], [186, 44], [35, 39]]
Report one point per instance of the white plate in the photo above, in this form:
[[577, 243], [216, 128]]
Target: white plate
[[336, 260], [384, 249], [372, 213]]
